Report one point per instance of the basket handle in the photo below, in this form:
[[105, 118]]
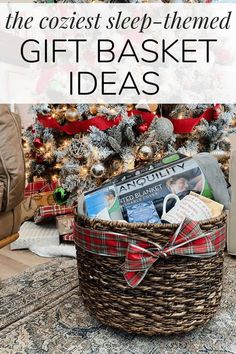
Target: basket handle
[[168, 197]]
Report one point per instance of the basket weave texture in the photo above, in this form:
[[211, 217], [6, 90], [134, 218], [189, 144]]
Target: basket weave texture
[[177, 295]]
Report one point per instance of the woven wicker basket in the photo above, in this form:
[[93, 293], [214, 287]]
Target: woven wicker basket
[[177, 295]]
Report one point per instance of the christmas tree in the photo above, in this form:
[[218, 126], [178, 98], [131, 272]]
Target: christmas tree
[[82, 146]]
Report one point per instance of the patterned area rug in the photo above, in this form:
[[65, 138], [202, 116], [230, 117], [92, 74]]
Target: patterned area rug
[[41, 312]]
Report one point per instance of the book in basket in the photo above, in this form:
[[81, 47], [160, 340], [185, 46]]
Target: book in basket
[[103, 203]]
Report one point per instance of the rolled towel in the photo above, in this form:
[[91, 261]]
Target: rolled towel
[[215, 177]]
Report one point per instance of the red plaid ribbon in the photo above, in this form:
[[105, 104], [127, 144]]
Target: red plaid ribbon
[[188, 240], [49, 211]]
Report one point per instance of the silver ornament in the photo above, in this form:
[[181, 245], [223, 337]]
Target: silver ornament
[[164, 129], [145, 153], [98, 170]]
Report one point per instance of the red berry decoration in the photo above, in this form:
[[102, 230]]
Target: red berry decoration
[[217, 111], [38, 143]]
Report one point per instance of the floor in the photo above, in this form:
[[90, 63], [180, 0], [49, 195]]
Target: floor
[[14, 262]]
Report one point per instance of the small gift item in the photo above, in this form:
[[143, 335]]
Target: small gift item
[[143, 212], [215, 208], [44, 198], [28, 208], [65, 224], [193, 206], [49, 212], [37, 193]]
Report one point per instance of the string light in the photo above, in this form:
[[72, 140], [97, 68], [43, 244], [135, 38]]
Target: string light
[[55, 178], [95, 153], [42, 150], [66, 143], [48, 155], [180, 115], [25, 144], [48, 146], [83, 171]]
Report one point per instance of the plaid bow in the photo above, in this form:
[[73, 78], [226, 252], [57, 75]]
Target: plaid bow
[[188, 240]]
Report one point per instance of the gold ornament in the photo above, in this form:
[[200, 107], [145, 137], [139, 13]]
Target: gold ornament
[[98, 170], [93, 109], [130, 107], [145, 153], [41, 150], [153, 107], [72, 115]]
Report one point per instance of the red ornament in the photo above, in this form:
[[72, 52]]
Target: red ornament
[[38, 143], [143, 128], [216, 111]]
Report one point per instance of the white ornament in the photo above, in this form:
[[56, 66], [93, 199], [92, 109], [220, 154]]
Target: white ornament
[[145, 153], [98, 170], [142, 106]]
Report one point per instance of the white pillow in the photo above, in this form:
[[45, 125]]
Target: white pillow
[[54, 251], [36, 235]]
